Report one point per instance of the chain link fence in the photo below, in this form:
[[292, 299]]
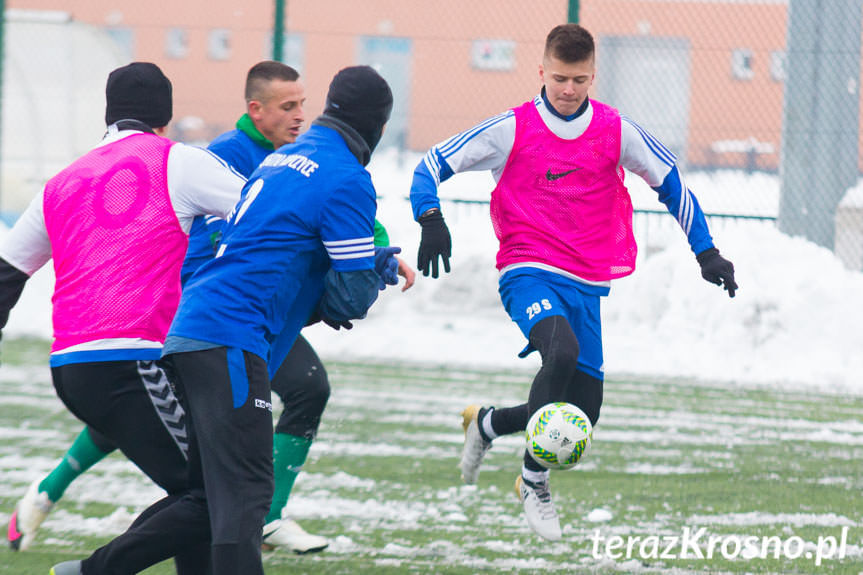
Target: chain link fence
[[758, 99]]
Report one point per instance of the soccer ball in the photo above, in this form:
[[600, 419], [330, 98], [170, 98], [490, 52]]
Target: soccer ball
[[558, 435]]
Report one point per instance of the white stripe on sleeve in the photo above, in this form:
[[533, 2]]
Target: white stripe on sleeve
[[351, 249]]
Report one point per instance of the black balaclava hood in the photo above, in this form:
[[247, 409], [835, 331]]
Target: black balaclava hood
[[362, 99]]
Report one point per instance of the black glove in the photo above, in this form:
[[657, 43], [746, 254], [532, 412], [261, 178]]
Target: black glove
[[717, 270], [336, 324], [435, 242]]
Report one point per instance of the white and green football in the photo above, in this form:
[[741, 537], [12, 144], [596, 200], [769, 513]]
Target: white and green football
[[558, 435]]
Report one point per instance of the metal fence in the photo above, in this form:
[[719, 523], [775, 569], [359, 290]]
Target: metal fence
[[759, 99]]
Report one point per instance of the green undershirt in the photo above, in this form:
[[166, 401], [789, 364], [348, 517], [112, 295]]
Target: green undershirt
[[247, 126]]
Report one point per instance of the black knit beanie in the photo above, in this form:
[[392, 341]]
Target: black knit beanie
[[139, 91], [361, 98]]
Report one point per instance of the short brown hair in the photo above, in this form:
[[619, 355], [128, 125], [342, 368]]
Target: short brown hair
[[265, 72], [569, 43]]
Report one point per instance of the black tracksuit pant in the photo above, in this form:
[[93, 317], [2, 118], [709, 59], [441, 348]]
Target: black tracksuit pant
[[130, 404], [304, 388], [226, 395]]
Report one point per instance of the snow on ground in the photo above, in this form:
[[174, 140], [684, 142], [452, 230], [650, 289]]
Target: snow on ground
[[795, 321]]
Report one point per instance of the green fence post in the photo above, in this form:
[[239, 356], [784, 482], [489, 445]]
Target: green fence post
[[572, 12], [279, 30]]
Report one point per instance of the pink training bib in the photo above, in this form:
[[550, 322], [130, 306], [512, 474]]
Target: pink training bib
[[563, 202], [116, 242]]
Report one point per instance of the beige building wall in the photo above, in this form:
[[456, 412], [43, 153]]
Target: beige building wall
[[447, 93], [204, 87], [722, 107]]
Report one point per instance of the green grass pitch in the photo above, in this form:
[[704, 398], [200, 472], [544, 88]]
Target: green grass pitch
[[728, 462]]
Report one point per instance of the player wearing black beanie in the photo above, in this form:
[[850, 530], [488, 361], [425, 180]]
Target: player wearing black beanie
[[360, 97], [139, 91]]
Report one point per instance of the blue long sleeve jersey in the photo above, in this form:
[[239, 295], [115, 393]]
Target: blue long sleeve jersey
[[308, 208], [243, 155], [487, 146]]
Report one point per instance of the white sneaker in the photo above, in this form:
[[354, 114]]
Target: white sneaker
[[29, 514], [538, 508], [475, 447], [288, 534]]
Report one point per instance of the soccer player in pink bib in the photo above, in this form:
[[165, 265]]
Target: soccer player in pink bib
[[563, 217], [116, 222]]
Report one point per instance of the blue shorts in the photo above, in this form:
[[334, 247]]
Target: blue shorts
[[531, 294]]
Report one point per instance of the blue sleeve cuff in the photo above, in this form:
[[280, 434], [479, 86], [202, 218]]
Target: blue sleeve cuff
[[424, 186], [683, 205], [349, 295]]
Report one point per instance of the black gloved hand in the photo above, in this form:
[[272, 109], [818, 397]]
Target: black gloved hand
[[313, 319], [717, 270], [435, 242], [336, 324]]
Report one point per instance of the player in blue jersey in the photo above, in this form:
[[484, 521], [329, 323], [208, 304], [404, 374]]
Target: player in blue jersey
[[297, 248], [564, 221], [274, 116], [274, 96]]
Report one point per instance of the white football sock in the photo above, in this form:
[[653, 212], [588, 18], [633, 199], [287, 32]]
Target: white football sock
[[487, 429], [534, 476]]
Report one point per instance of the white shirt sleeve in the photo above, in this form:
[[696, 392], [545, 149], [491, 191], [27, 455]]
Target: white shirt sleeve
[[486, 146], [27, 246], [642, 154], [199, 182]]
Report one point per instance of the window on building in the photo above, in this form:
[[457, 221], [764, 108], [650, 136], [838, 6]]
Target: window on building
[[124, 38], [219, 44], [741, 64], [492, 54], [293, 50], [176, 43], [777, 65]]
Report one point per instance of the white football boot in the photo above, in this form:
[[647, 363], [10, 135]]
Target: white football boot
[[288, 534], [29, 514], [66, 568], [475, 447], [539, 508]]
